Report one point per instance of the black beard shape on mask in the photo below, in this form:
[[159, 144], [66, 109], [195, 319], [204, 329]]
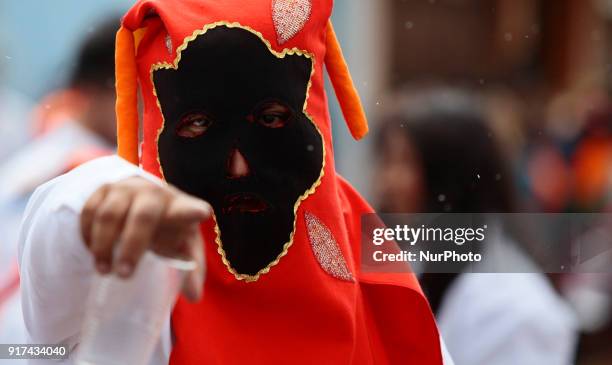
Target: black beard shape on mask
[[248, 149]]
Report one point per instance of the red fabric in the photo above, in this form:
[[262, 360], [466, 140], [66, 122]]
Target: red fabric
[[10, 286], [296, 313], [84, 155], [56, 109]]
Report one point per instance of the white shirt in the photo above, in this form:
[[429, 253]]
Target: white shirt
[[497, 318], [56, 268], [40, 160]]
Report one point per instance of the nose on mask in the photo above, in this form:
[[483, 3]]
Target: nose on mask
[[237, 165]]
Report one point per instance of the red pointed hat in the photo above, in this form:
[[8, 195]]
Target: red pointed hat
[[235, 112]]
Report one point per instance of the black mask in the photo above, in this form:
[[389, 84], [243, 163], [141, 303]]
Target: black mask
[[236, 135]]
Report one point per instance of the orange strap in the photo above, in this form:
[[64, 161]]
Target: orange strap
[[343, 86], [127, 92], [127, 96]]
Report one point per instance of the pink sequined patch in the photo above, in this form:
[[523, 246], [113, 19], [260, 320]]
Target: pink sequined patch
[[289, 17], [326, 249], [168, 42]]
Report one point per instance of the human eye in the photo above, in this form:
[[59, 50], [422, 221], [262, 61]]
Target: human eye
[[193, 124], [273, 114]]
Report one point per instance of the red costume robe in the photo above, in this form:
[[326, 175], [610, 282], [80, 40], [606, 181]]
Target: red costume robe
[[312, 303]]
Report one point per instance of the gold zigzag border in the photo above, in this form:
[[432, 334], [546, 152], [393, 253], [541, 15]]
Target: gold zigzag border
[[292, 51]]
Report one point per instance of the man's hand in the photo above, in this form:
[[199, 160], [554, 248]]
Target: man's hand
[[121, 221]]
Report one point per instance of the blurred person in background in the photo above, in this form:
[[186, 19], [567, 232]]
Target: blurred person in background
[[590, 290], [71, 126], [567, 170], [437, 154], [14, 124], [591, 162]]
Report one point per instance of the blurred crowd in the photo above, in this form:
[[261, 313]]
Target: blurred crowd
[[532, 132], [44, 139], [457, 150], [504, 107]]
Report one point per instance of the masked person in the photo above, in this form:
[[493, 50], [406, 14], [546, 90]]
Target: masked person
[[234, 114]]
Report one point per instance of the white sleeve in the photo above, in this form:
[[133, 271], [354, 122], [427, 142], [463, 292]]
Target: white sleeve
[[525, 323], [531, 340], [446, 357], [55, 266]]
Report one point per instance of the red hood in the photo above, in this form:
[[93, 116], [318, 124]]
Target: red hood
[[312, 305]]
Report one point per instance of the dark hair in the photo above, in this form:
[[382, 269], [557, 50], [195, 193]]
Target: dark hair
[[95, 65], [462, 164]]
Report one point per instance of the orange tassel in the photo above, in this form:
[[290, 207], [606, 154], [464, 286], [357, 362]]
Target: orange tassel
[[126, 85], [343, 86]]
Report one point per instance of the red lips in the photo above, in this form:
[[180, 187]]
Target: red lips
[[244, 203]]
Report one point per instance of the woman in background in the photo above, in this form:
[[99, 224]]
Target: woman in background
[[438, 155]]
